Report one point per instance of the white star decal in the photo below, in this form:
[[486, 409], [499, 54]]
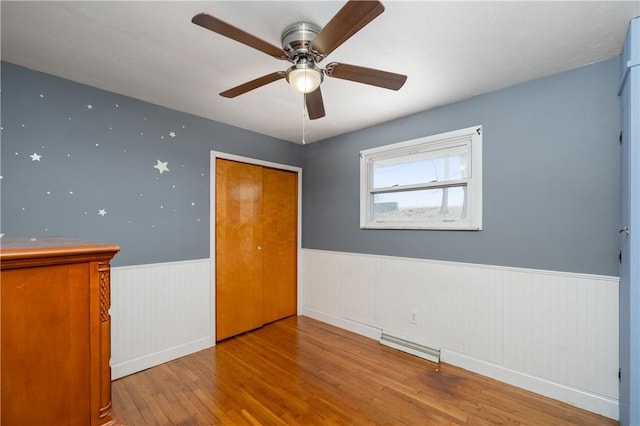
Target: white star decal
[[102, 212], [89, 106], [172, 134], [35, 157], [162, 166]]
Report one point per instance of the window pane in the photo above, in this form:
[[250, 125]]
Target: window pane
[[425, 205], [417, 168]]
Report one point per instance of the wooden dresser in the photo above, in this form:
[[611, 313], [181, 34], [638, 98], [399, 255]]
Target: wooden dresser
[[56, 337]]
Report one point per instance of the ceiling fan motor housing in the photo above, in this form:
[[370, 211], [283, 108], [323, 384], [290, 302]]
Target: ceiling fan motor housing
[[296, 41]]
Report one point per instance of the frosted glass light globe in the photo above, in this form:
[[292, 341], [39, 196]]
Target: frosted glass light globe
[[304, 80]]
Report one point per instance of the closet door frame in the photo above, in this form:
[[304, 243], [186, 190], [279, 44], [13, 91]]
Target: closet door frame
[[212, 225]]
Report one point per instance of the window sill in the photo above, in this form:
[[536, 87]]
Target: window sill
[[446, 226]]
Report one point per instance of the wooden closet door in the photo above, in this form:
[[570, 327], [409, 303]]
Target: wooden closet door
[[238, 248], [280, 241]]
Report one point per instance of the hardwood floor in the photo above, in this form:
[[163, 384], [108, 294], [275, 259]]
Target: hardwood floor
[[301, 371]]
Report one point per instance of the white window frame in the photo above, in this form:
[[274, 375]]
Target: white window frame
[[471, 136]]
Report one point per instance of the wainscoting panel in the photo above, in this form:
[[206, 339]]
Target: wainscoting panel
[[159, 312], [551, 332]]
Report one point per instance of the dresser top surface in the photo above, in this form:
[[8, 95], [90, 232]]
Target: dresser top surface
[[16, 248]]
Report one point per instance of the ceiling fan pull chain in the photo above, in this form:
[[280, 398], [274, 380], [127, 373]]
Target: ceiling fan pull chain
[[304, 108]]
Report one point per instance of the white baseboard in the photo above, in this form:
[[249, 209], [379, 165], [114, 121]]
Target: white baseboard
[[346, 324], [151, 360], [588, 401]]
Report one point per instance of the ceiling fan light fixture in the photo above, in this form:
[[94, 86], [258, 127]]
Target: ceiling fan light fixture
[[304, 77], [305, 45]]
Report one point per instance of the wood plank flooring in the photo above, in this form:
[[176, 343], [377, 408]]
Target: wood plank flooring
[[301, 371]]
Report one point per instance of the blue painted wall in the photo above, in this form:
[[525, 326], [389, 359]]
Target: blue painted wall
[[81, 162], [550, 173], [550, 151]]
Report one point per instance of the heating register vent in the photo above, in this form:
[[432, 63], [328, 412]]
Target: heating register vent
[[412, 348]]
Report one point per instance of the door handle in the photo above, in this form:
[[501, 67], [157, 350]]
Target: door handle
[[625, 230]]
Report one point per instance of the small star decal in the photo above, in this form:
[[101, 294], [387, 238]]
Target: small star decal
[[35, 157], [162, 166], [102, 212], [172, 134], [89, 106]]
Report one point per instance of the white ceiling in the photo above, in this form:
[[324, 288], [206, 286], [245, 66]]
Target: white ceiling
[[450, 51]]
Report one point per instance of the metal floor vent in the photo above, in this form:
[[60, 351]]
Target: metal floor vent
[[412, 348]]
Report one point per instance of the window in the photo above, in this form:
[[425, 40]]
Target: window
[[433, 182]]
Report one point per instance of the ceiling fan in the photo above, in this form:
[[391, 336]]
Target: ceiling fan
[[305, 45]]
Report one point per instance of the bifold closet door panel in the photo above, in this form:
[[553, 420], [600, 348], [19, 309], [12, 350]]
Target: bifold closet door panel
[[280, 236], [238, 248]]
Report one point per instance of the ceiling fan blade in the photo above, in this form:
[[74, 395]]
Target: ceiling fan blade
[[217, 26], [384, 79], [253, 84], [353, 16], [315, 106]]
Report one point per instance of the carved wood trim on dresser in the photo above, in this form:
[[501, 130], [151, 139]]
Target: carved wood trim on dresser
[[56, 332]]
